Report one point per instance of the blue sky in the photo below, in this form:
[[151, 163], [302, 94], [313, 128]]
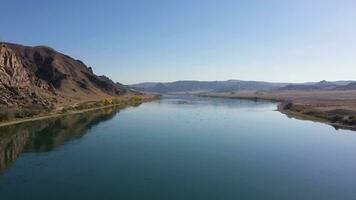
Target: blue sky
[[165, 40]]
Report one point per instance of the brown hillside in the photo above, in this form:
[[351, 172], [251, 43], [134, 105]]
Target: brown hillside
[[42, 76]]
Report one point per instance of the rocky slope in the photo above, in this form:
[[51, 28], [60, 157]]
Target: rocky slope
[[42, 76]]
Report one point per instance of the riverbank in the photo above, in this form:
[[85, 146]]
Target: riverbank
[[77, 109], [336, 108]]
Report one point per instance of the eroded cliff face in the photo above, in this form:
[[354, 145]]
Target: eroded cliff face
[[40, 75], [18, 87], [12, 71]]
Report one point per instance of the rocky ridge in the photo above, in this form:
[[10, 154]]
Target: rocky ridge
[[44, 77]]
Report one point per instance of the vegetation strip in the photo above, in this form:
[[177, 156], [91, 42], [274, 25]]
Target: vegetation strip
[[81, 108]]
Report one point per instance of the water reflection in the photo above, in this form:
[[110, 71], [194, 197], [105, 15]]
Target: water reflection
[[198, 102], [45, 135]]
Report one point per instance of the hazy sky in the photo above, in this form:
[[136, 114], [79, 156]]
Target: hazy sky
[[165, 40]]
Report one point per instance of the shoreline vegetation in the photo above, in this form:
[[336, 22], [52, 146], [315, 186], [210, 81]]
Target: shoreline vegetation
[[334, 108], [16, 116]]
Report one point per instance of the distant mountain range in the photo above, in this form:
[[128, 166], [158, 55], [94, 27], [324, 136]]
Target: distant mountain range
[[322, 85], [350, 86], [43, 76], [238, 85], [206, 86]]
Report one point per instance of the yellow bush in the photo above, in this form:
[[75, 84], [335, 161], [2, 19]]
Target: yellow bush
[[107, 101]]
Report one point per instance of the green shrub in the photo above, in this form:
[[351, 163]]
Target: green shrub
[[335, 118], [66, 110], [288, 106], [6, 114], [29, 111], [83, 106]]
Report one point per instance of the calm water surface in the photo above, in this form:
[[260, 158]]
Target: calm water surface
[[178, 148]]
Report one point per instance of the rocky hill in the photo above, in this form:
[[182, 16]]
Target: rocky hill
[[350, 86], [322, 85], [42, 76]]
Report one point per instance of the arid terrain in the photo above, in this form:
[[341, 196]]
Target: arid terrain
[[39, 80], [335, 107]]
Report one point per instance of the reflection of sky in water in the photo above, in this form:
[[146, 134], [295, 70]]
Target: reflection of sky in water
[[191, 100], [200, 149]]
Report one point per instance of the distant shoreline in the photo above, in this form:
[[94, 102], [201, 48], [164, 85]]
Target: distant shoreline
[[313, 118], [303, 112]]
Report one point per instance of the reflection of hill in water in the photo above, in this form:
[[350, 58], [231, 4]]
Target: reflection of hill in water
[[45, 135]]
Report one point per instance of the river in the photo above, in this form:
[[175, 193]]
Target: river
[[179, 147]]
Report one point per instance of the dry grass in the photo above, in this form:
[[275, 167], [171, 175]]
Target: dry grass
[[337, 108]]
